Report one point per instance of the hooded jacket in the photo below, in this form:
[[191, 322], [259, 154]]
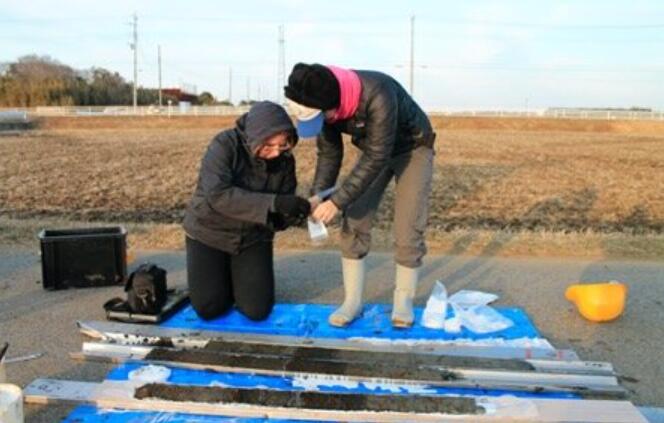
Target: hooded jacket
[[230, 207], [387, 123]]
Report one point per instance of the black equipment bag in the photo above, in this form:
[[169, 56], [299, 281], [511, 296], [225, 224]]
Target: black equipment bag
[[146, 291]]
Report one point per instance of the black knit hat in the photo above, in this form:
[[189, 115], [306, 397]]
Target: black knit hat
[[313, 86]]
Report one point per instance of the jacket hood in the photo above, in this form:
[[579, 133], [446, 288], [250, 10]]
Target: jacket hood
[[263, 120]]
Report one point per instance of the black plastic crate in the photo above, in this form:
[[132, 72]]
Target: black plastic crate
[[83, 257]]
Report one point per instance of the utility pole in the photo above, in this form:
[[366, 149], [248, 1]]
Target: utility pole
[[248, 89], [134, 47], [159, 62], [412, 55], [230, 84], [281, 65]]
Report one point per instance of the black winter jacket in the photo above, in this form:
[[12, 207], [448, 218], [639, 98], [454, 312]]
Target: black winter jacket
[[387, 123], [230, 208]]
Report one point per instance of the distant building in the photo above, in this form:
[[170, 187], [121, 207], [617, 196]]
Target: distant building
[[180, 95]]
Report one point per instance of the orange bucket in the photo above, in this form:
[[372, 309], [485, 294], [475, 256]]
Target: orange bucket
[[598, 302]]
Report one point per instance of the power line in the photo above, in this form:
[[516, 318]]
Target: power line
[[551, 26], [62, 19], [542, 68], [281, 64], [248, 89], [446, 20], [230, 84], [572, 67], [134, 47], [344, 19], [412, 55], [159, 64]]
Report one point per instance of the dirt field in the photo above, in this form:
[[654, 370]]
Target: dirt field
[[551, 176]]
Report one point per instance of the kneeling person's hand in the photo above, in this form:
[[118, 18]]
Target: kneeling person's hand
[[292, 206]]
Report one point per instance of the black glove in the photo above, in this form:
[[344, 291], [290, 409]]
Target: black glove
[[281, 222], [278, 222], [292, 206]]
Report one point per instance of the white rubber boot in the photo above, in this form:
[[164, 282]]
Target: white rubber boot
[[354, 274], [404, 292]]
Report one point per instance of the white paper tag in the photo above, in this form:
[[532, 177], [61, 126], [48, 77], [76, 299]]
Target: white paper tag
[[317, 231]]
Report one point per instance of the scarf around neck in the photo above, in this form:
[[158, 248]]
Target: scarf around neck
[[350, 89]]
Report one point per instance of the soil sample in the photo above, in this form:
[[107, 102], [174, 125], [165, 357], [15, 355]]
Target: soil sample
[[377, 369], [407, 359], [311, 400]]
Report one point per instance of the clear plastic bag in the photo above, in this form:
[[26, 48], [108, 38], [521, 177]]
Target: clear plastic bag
[[317, 231], [466, 298], [470, 310], [434, 313], [483, 319]]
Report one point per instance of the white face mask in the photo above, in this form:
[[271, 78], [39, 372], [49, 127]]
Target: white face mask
[[301, 113]]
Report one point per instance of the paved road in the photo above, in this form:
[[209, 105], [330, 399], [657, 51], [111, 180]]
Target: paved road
[[33, 320]]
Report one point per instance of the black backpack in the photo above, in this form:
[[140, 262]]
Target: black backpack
[[146, 291]]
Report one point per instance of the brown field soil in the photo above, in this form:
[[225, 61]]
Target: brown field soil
[[440, 122], [488, 178], [511, 175]]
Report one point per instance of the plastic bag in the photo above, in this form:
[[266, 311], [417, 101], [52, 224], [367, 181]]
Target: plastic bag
[[453, 324], [470, 310], [483, 319], [466, 298], [317, 231], [434, 313]]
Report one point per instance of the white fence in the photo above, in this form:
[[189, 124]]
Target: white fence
[[138, 111], [231, 110], [559, 114], [12, 116]]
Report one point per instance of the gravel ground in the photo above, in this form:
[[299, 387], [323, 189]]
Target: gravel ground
[[33, 320]]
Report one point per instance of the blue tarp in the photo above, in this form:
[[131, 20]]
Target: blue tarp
[[235, 380], [311, 320], [91, 414], [308, 320]]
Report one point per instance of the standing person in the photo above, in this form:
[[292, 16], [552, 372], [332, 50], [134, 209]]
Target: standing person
[[245, 192], [396, 141]]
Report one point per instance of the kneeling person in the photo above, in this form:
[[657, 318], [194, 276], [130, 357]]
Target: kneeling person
[[245, 193]]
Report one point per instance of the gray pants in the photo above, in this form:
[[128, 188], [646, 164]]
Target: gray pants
[[413, 172]]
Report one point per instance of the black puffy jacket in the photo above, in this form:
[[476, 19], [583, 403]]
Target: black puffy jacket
[[387, 123], [230, 208]]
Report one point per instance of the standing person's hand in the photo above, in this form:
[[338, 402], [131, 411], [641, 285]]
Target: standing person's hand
[[292, 205], [314, 200], [325, 211]]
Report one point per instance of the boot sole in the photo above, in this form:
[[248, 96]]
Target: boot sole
[[340, 324], [401, 324]]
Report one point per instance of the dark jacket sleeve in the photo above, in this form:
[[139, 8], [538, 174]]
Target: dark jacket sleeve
[[220, 192], [276, 221], [330, 152], [290, 179], [381, 129]]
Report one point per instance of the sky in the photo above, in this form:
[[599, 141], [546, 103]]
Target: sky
[[472, 55]]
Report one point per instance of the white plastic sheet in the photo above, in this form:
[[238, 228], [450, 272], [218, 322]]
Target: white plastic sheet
[[483, 319], [466, 298], [470, 310], [150, 373], [433, 316]]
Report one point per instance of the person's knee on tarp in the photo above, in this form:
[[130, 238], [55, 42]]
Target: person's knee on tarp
[[396, 140], [245, 192]]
